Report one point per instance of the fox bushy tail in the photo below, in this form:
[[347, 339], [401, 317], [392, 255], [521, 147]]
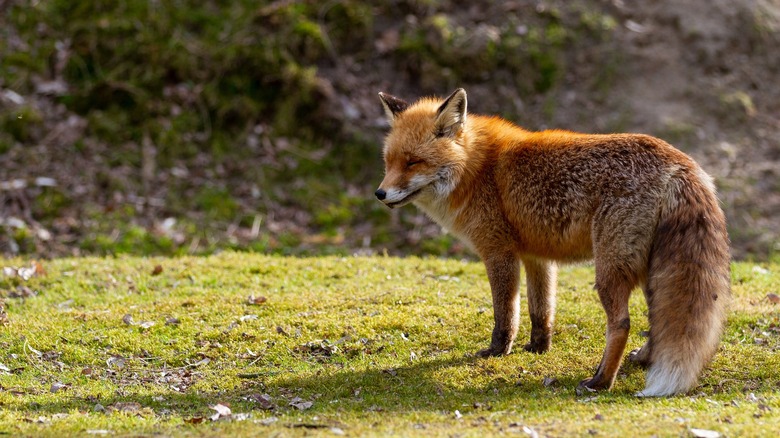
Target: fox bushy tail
[[688, 287]]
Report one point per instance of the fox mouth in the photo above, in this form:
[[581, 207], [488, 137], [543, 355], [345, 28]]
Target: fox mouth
[[406, 200]]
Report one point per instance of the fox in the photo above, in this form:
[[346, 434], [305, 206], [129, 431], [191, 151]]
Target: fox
[[644, 212]]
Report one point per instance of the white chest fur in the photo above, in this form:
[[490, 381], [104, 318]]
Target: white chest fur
[[439, 210]]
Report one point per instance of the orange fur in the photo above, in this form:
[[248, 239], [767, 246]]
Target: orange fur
[[642, 210]]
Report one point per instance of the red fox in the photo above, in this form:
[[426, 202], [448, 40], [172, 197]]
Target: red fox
[[645, 212]]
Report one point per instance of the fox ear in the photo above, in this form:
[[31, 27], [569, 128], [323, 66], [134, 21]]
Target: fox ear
[[393, 106], [452, 113]]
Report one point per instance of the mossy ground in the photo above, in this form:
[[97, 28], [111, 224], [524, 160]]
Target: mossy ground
[[379, 346]]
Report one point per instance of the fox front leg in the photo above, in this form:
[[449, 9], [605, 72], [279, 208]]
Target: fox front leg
[[541, 278], [503, 274]]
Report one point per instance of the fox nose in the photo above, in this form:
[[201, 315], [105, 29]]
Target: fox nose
[[380, 194]]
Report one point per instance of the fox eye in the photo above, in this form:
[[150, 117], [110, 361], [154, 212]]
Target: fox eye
[[411, 163]]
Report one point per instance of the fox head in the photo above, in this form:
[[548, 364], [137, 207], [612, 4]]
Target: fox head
[[424, 149]]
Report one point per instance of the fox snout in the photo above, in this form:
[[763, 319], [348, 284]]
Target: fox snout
[[397, 197], [385, 197]]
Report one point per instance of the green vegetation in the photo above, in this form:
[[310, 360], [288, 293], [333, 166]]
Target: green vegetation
[[362, 346], [225, 111]]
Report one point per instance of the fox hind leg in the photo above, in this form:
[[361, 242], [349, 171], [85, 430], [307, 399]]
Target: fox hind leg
[[641, 356], [622, 236], [614, 293]]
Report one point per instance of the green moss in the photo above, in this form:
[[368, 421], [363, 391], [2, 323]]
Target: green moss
[[21, 123], [598, 23], [6, 142], [739, 104], [440, 245], [379, 345], [129, 240], [217, 203], [50, 203], [127, 57], [23, 238], [680, 133]]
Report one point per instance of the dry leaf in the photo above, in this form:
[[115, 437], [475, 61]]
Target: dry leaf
[[146, 324], [125, 407], [51, 355], [264, 401], [241, 416], [530, 432], [128, 319], [172, 321], [268, 421], [194, 420], [117, 362], [300, 404], [203, 361], [704, 433], [256, 300], [39, 268], [3, 314], [25, 273], [549, 381], [56, 386], [157, 270], [22, 292], [773, 298], [222, 411], [318, 348]]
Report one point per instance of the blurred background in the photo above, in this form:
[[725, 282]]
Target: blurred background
[[177, 127]]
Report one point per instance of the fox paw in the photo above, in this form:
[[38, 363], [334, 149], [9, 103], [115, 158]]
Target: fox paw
[[537, 347], [491, 352], [591, 384], [640, 357]]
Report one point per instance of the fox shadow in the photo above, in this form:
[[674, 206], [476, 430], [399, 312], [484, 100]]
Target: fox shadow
[[415, 386]]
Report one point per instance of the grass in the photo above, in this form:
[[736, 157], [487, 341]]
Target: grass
[[378, 346]]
